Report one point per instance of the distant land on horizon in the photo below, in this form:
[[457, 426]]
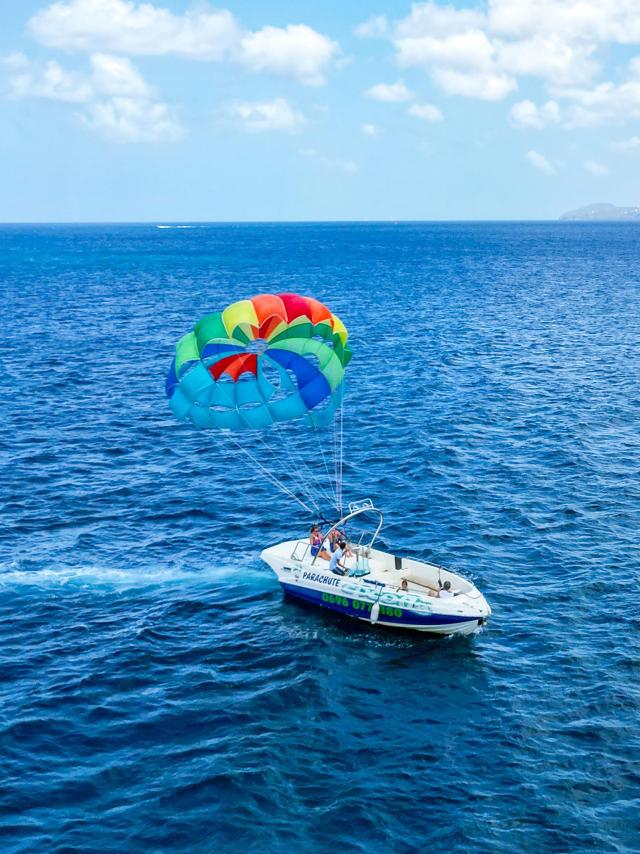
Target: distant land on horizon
[[604, 212]]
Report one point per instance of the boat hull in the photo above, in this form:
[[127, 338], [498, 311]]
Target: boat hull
[[389, 615]]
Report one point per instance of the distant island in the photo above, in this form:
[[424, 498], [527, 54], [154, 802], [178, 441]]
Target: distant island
[[603, 212]]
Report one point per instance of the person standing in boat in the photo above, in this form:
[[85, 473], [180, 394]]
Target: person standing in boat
[[316, 539]]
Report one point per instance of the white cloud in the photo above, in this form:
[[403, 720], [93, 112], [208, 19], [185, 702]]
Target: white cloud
[[114, 98], [133, 120], [115, 75], [595, 168], [266, 115], [48, 80], [203, 33], [428, 112], [550, 57], [369, 129], [604, 101], [593, 20], [584, 106], [526, 114], [483, 52], [334, 164], [296, 50], [438, 20], [393, 93], [135, 28], [374, 28], [540, 163], [481, 85], [626, 144], [454, 47], [470, 50]]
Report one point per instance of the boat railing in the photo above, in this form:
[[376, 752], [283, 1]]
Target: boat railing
[[300, 550], [356, 508], [359, 506]]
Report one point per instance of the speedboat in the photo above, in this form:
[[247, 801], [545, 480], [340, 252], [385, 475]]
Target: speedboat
[[378, 587]]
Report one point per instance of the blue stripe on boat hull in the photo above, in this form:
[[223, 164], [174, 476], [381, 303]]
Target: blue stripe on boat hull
[[406, 617]]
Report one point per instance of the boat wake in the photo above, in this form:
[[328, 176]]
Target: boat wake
[[75, 577]]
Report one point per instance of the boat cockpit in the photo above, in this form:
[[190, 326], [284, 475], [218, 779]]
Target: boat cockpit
[[372, 565]]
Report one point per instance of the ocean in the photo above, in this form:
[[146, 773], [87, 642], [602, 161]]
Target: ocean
[[158, 693]]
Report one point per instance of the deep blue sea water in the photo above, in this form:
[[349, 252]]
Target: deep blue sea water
[[157, 693]]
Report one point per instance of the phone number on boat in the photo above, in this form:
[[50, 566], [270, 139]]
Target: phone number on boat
[[357, 605]]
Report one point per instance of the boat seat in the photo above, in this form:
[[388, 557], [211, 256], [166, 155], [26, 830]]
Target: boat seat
[[419, 578]]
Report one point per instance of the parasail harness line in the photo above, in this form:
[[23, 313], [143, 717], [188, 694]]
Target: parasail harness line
[[294, 469], [304, 473], [340, 459], [273, 478], [326, 468], [306, 482]]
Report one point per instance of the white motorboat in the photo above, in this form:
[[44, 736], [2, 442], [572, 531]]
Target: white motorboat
[[378, 587]]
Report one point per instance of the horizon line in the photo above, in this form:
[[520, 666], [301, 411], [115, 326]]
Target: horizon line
[[390, 221]]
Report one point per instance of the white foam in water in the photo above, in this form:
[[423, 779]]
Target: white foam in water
[[97, 576]]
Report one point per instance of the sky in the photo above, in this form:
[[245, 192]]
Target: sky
[[169, 111]]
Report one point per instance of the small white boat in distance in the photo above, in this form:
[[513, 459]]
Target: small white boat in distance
[[378, 587]]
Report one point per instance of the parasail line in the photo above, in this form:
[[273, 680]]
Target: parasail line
[[274, 480], [299, 483], [326, 467]]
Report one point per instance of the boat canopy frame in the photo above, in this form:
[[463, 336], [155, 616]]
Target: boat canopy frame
[[356, 508]]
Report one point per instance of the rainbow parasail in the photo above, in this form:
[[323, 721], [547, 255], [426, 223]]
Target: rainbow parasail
[[261, 361]]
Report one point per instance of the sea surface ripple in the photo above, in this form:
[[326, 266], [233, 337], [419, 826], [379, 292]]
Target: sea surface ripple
[[157, 693]]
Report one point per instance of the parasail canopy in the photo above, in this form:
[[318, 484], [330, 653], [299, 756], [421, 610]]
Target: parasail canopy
[[262, 372], [268, 359]]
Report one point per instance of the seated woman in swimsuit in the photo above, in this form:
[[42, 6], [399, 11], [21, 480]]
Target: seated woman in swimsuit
[[316, 538]]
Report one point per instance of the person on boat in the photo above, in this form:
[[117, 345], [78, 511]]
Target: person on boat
[[335, 565], [334, 539], [316, 540], [404, 585], [446, 592]]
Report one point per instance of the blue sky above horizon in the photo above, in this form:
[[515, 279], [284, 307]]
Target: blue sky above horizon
[[114, 110]]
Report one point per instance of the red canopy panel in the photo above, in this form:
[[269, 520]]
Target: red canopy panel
[[268, 326], [268, 305], [296, 306], [319, 312], [235, 365]]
